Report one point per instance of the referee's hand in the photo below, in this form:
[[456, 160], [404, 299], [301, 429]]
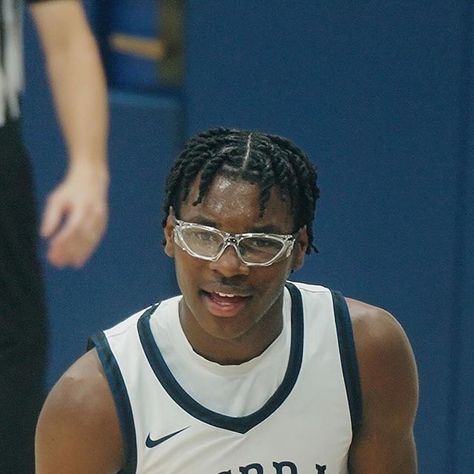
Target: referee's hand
[[76, 214]]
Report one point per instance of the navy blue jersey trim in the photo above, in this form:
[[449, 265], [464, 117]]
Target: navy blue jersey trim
[[122, 402], [347, 351], [195, 409]]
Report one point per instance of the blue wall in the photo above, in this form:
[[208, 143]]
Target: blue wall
[[381, 98], [379, 95], [462, 322]]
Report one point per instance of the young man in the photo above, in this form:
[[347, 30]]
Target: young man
[[75, 215], [245, 372]]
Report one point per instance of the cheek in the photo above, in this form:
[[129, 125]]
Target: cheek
[[191, 272], [188, 269], [272, 278]]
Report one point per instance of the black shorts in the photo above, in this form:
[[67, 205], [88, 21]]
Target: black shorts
[[23, 326]]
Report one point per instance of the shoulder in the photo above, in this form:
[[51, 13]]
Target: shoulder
[[377, 333], [78, 428], [373, 325], [388, 375]]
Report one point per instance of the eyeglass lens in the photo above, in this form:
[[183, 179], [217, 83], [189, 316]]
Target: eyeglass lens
[[208, 243]]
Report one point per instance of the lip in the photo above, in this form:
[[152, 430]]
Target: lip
[[222, 306], [243, 291]]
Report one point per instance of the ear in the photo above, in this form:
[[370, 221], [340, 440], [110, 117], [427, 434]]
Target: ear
[[169, 238], [299, 249]]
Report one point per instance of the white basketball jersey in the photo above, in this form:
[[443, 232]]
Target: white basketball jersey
[[304, 423]]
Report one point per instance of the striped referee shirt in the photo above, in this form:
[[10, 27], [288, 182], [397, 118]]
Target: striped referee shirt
[[11, 57]]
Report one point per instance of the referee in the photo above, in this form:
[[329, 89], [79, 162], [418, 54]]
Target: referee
[[75, 215]]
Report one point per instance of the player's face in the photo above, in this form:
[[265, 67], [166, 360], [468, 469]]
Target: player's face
[[230, 311]]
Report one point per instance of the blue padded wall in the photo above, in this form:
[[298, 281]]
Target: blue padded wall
[[373, 92], [126, 17], [462, 359]]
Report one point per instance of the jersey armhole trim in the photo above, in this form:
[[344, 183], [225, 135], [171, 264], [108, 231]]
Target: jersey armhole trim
[[121, 399], [348, 355]]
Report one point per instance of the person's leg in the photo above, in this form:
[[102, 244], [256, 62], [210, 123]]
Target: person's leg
[[23, 329], [21, 396]]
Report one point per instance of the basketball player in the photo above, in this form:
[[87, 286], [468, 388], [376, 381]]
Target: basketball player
[[245, 372], [75, 215]]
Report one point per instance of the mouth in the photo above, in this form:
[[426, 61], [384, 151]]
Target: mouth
[[224, 304]]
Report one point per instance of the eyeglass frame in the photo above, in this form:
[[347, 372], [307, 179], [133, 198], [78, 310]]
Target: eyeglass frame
[[287, 240]]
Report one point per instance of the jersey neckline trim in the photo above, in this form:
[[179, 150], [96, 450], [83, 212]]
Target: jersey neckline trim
[[198, 411]]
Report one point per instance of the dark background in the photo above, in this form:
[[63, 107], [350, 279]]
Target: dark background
[[380, 96]]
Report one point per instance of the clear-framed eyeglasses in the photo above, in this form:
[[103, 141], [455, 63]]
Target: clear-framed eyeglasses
[[253, 248]]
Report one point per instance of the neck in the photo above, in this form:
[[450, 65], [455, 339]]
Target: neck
[[226, 346]]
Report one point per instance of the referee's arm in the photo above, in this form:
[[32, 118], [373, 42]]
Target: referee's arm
[[75, 217]]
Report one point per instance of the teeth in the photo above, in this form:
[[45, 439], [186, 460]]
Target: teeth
[[225, 295]]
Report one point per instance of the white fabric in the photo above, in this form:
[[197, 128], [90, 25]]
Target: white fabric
[[311, 427], [225, 389]]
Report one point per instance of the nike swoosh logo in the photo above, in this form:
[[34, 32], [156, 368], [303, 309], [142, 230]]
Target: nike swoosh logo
[[151, 443]]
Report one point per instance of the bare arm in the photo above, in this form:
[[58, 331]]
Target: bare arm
[[385, 442], [78, 429], [76, 213]]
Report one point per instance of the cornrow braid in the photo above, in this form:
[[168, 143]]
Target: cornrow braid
[[260, 158]]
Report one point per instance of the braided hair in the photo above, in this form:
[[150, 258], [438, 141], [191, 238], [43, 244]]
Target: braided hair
[[259, 158]]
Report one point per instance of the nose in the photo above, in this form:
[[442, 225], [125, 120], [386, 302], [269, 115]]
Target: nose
[[229, 263]]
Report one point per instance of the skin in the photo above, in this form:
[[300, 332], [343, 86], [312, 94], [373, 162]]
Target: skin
[[75, 215], [80, 408], [389, 382], [223, 339]]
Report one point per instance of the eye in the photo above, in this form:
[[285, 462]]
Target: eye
[[262, 244], [203, 235]]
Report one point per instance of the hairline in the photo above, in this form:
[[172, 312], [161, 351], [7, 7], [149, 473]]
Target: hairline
[[236, 175]]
